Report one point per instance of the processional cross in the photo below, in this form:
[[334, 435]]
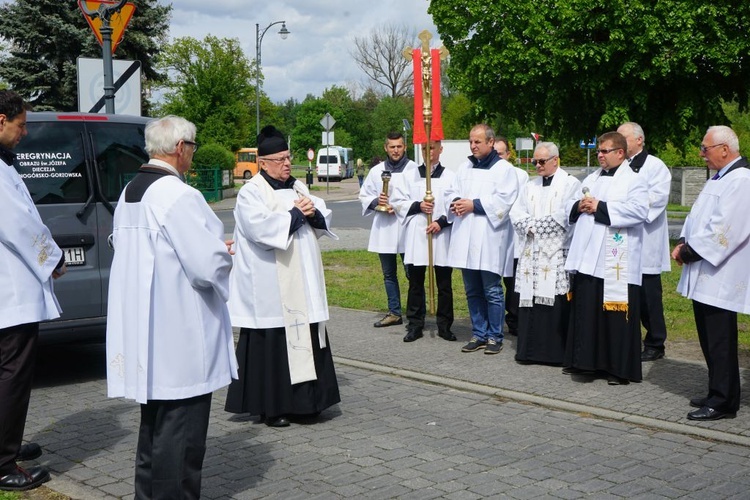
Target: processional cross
[[425, 88]]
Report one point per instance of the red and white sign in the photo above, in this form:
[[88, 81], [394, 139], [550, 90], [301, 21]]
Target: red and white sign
[[118, 22]]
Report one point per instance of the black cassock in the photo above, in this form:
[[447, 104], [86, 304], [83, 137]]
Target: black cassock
[[264, 386], [542, 331], [599, 340]]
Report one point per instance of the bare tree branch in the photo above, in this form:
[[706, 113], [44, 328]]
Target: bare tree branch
[[380, 56]]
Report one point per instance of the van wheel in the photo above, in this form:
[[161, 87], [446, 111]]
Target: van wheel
[[247, 174]]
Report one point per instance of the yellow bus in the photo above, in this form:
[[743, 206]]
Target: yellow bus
[[246, 163]]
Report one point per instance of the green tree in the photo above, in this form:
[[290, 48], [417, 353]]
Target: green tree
[[583, 67], [211, 85], [46, 36], [457, 117], [213, 156], [388, 116]]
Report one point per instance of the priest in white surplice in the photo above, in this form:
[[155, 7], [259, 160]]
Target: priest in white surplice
[[543, 232], [169, 339], [655, 258], [714, 250], [29, 262], [605, 256], [278, 294], [411, 210], [481, 246]]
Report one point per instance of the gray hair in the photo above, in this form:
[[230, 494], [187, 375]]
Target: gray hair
[[637, 130], [725, 135], [163, 134], [488, 132], [551, 148]]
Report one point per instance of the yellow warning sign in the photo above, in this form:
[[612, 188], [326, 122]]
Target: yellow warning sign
[[118, 20]]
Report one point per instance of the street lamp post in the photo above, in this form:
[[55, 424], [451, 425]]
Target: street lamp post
[[258, 41]]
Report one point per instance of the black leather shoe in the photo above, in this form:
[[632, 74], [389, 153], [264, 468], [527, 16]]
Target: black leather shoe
[[413, 335], [277, 422], [24, 479], [708, 413], [698, 402], [29, 451], [615, 380], [447, 335], [651, 355]]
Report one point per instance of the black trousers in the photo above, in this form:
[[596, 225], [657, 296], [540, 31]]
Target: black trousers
[[652, 312], [17, 361], [717, 333], [171, 447], [512, 298], [416, 306]]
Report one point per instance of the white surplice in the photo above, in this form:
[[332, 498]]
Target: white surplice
[[656, 259], [168, 330], [28, 255], [542, 226], [255, 295], [386, 235], [483, 242], [523, 178], [718, 229], [411, 190], [626, 194]]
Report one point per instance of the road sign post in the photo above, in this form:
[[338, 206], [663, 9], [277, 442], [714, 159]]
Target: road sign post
[[588, 146], [310, 156], [328, 122], [101, 17]]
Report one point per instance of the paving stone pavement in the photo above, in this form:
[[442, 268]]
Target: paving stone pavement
[[417, 420]]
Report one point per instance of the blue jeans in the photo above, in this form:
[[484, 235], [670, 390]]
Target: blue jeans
[[484, 295], [388, 264]]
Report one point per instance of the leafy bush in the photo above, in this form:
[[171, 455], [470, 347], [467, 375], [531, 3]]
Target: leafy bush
[[213, 156]]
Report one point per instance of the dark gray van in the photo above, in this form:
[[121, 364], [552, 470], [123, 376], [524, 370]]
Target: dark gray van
[[75, 166]]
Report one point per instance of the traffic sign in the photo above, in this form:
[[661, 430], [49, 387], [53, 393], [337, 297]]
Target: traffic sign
[[118, 22], [127, 75], [327, 122], [310, 154]]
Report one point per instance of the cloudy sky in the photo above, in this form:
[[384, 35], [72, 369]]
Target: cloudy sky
[[317, 53]]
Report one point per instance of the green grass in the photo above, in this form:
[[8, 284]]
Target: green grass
[[354, 280], [678, 208]]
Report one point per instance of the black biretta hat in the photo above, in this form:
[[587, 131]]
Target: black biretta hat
[[271, 141]]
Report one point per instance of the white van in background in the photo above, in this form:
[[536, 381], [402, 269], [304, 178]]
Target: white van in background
[[333, 163]]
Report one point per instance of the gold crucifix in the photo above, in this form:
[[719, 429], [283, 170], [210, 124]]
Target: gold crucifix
[[546, 270], [426, 77]]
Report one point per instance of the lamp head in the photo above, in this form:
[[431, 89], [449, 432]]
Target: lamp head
[[283, 31]]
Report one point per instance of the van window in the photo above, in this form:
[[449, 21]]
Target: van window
[[118, 148], [328, 159], [50, 160]]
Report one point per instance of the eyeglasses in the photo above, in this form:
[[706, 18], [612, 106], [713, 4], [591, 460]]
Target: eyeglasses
[[191, 143], [706, 148], [541, 161], [279, 160], [605, 151]]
